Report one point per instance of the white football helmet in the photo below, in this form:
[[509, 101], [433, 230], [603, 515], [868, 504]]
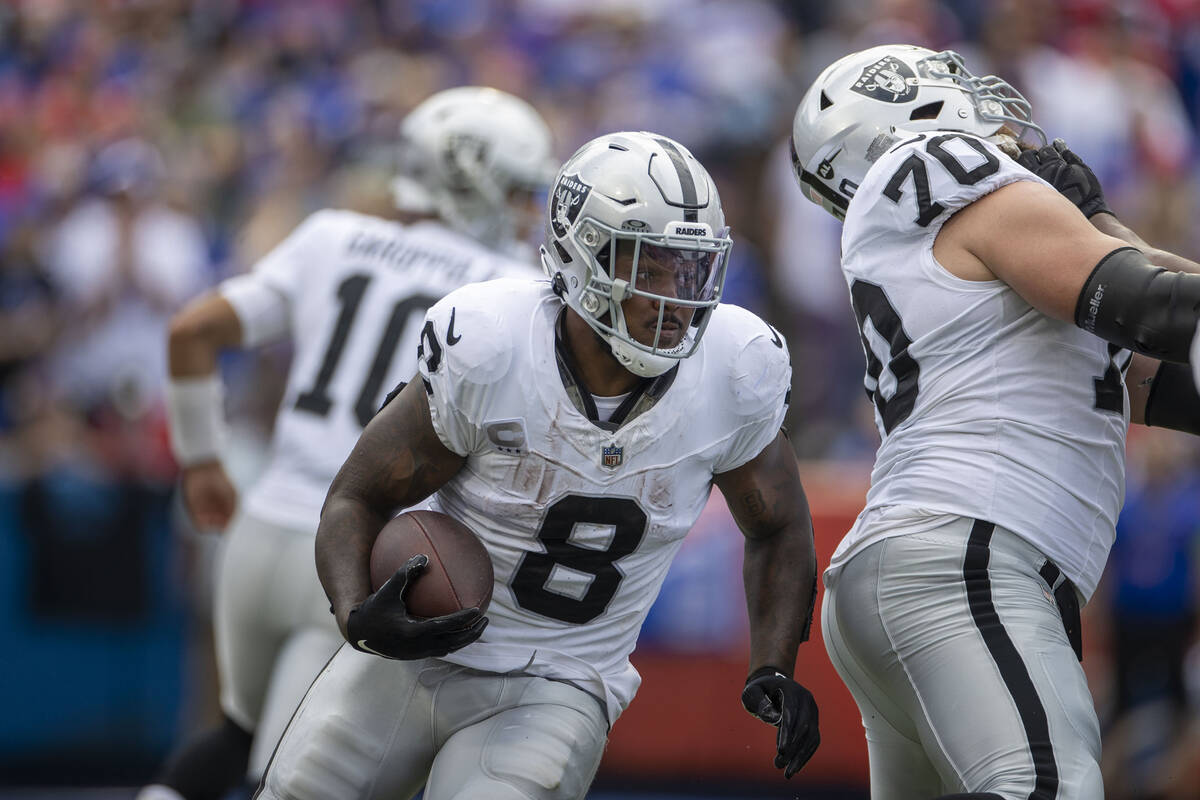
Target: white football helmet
[[466, 154], [851, 114], [646, 198]]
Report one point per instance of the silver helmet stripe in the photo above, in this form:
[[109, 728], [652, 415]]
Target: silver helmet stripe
[[687, 184]]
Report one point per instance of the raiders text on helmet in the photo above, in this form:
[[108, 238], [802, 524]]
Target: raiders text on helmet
[[645, 195], [852, 113]]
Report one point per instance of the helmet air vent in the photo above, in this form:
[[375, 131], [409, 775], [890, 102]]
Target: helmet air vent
[[825, 101]]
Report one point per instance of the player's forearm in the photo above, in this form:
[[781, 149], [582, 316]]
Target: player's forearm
[[195, 407], [1109, 224], [780, 577], [343, 550], [387, 470]]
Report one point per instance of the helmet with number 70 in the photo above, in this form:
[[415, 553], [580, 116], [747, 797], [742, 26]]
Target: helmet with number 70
[[636, 215], [862, 103], [473, 156]]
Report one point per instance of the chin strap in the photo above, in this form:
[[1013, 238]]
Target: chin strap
[[643, 397], [1006, 144]]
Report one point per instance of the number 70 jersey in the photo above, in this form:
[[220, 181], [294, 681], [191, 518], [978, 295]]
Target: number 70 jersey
[[987, 408]]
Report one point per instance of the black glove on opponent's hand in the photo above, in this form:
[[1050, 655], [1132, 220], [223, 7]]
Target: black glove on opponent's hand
[[382, 626], [1067, 173], [778, 700]]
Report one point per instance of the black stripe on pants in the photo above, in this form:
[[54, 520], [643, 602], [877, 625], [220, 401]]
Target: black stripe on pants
[[1008, 660]]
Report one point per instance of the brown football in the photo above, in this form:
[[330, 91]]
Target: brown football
[[459, 574]]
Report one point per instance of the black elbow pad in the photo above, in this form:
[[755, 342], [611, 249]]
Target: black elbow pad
[[1132, 303], [1174, 402]]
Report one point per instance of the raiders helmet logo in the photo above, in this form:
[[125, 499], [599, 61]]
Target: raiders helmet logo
[[825, 168], [889, 79], [569, 194], [461, 154]]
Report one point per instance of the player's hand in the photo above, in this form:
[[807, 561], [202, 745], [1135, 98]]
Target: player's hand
[[1067, 173], [208, 495], [778, 700], [382, 626]]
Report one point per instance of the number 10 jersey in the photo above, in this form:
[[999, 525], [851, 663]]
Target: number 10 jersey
[[350, 291], [582, 519], [987, 408]]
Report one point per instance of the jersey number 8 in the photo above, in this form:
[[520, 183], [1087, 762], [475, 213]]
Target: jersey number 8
[[628, 523]]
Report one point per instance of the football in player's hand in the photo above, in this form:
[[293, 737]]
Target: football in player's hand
[[459, 574]]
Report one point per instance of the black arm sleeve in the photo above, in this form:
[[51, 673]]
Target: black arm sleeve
[[1174, 402], [1132, 303]]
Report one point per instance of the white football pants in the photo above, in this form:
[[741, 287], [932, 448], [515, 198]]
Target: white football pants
[[272, 626], [375, 729], [954, 649]]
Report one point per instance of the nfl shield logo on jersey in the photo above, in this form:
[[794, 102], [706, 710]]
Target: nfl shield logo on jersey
[[612, 456]]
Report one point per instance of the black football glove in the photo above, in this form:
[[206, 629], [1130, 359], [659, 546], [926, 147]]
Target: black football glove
[[382, 626], [1067, 173], [778, 700]]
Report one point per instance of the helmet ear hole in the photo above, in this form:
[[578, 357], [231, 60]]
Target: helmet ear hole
[[927, 111], [825, 101]]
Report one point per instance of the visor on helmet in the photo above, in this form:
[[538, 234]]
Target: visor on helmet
[[682, 273]]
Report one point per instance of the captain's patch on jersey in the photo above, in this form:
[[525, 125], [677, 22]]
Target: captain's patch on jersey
[[888, 79], [569, 195], [507, 436]]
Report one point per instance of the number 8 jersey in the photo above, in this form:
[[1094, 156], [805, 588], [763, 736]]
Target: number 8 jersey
[[987, 408], [581, 518]]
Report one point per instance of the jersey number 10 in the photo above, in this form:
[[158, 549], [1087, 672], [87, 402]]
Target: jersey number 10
[[350, 294]]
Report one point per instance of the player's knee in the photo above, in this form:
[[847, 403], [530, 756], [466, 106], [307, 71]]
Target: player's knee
[[332, 760], [558, 762]]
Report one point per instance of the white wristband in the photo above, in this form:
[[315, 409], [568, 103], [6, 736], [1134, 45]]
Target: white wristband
[[196, 416]]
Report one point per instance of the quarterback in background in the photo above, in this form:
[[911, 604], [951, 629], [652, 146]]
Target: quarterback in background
[[998, 318], [350, 291], [577, 425]]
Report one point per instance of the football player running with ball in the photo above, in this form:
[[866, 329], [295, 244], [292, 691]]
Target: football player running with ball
[[350, 292], [577, 425], [997, 323]]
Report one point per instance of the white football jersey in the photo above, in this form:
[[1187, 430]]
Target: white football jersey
[[987, 408], [582, 519], [351, 291]]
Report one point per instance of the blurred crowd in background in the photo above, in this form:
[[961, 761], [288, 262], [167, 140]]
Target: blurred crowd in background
[[150, 148]]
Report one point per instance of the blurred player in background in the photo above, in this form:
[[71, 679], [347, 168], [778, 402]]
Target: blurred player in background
[[577, 425], [997, 324], [350, 291]]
